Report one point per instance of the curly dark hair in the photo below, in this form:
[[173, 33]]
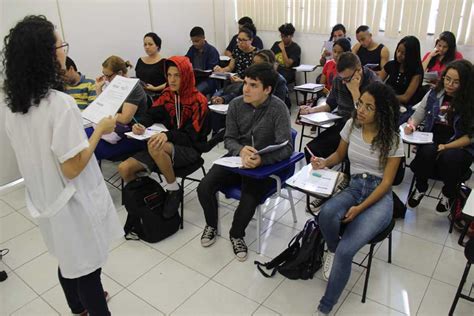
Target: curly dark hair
[[463, 100], [30, 64], [387, 113]]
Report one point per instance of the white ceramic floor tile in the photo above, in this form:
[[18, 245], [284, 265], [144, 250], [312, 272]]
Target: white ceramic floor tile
[[26, 214], [439, 298], [41, 273], [15, 199], [55, 296], [299, 297], [353, 306], [23, 248], [130, 260], [265, 311], [451, 267], [126, 304], [275, 240], [244, 278], [35, 307], [13, 225], [168, 285], [5, 209], [207, 260], [406, 248], [215, 299], [394, 287], [176, 241], [194, 214], [452, 240], [301, 216], [14, 294]]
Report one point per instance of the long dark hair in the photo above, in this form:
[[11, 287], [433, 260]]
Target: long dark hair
[[337, 27], [450, 39], [412, 62], [463, 100], [30, 64], [387, 112]]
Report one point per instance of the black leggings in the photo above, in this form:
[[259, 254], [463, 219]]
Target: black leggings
[[85, 293]]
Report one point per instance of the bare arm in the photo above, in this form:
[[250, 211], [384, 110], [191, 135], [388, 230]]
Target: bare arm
[[128, 111], [461, 142], [383, 74], [384, 56]]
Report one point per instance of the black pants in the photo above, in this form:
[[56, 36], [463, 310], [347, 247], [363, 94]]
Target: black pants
[[85, 293], [325, 143], [449, 165], [252, 191]]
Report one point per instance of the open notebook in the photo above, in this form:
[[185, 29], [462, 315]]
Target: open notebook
[[319, 182]]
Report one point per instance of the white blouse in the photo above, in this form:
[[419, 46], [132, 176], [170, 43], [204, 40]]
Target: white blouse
[[77, 217]]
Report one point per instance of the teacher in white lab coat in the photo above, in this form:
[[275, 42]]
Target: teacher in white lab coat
[[65, 190]]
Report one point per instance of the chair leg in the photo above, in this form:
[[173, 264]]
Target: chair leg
[[203, 170], [182, 203], [259, 225], [390, 248], [367, 273], [292, 204], [219, 226], [461, 285], [412, 184]]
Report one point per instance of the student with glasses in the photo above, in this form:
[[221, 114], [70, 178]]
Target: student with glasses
[[247, 22], [447, 112]]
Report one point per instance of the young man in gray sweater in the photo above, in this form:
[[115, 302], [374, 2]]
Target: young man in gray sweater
[[254, 120]]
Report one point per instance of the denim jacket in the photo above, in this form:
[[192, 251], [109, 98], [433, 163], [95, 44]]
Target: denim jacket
[[428, 110]]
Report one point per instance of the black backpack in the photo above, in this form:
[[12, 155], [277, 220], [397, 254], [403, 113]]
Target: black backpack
[[143, 199], [302, 258]]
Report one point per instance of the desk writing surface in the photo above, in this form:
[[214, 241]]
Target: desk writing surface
[[468, 208]]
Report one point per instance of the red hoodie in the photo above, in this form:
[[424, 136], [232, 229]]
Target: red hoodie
[[192, 128]]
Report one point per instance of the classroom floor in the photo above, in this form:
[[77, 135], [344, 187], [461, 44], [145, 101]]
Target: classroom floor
[[179, 277]]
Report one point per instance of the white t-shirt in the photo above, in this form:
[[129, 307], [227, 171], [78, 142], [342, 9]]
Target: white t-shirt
[[362, 157], [76, 217]]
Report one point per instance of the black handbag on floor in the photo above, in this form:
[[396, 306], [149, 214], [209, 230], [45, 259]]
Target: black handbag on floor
[[143, 199]]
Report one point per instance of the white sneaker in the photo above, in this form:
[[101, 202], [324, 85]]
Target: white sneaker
[[328, 260]]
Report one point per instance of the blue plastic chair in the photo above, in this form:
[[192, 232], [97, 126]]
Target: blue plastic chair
[[280, 172]]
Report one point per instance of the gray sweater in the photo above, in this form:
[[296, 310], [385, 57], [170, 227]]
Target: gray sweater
[[267, 124]]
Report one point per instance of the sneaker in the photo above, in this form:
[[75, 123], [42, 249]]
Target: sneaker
[[240, 248], [315, 205], [208, 236], [444, 205], [328, 260], [415, 198], [86, 313], [172, 201]]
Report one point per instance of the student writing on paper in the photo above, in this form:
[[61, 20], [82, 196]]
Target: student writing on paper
[[287, 52], [368, 51], [182, 109], [371, 141], [254, 121], [150, 69], [247, 22], [338, 31], [79, 87], [447, 112], [65, 190]]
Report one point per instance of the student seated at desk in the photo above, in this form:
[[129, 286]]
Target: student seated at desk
[[405, 74], [329, 70], [447, 112], [371, 141], [182, 109], [150, 69], [78, 86], [287, 52], [256, 41], [368, 50], [254, 121], [135, 106], [338, 31], [242, 55]]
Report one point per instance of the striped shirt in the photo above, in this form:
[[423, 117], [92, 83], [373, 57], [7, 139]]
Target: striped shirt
[[83, 92], [363, 159]]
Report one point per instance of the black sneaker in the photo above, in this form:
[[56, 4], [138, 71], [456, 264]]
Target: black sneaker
[[172, 201], [315, 205], [444, 205], [208, 236], [415, 198], [240, 248]]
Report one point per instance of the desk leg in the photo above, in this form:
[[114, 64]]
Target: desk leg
[[301, 136], [305, 78], [463, 234]]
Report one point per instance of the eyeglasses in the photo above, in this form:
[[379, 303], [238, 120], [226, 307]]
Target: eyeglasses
[[64, 46], [242, 40], [451, 82], [365, 107], [108, 76], [348, 79]]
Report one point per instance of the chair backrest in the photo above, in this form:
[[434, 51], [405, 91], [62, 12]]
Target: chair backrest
[[287, 173]]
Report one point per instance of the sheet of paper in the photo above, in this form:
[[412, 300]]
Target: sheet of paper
[[224, 58], [110, 100], [222, 75], [430, 75], [371, 66], [328, 46], [314, 87], [149, 132], [468, 208], [319, 118], [416, 137], [231, 162], [320, 182], [219, 108], [86, 123], [271, 148], [111, 138], [305, 68]]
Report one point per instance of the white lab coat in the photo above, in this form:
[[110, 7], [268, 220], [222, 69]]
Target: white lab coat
[[77, 217]]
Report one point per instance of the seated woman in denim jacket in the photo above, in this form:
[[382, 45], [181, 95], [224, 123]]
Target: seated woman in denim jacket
[[371, 141], [447, 111]]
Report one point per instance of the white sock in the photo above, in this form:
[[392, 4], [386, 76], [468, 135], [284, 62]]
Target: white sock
[[172, 186]]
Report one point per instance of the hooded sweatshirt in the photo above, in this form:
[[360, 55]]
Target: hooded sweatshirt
[[184, 113]]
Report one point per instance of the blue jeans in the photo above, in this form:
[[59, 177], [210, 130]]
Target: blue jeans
[[357, 233]]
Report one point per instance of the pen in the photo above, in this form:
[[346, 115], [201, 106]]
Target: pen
[[310, 152], [135, 120]]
